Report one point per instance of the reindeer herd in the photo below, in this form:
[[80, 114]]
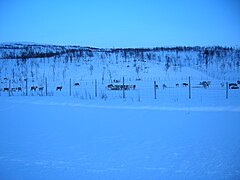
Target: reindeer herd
[[121, 87], [204, 84], [117, 86], [32, 88]]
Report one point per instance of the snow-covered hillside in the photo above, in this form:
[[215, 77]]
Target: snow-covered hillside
[[70, 112], [87, 72]]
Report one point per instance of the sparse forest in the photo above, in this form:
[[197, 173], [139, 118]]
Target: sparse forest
[[54, 66]]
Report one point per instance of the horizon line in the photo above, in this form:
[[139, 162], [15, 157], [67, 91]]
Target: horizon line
[[118, 47]]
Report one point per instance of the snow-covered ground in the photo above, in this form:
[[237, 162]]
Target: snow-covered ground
[[69, 138]]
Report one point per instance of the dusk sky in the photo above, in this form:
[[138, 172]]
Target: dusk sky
[[122, 23]]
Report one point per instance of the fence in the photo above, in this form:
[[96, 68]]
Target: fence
[[123, 88]]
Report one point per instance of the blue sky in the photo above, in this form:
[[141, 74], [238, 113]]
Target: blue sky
[[122, 23]]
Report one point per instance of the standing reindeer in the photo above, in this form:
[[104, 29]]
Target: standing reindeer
[[185, 84], [59, 88], [33, 88]]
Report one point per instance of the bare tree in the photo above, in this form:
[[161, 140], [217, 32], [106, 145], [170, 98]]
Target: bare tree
[[138, 68], [110, 75], [91, 69]]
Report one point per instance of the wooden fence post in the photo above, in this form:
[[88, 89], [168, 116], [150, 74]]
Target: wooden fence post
[[123, 89], [26, 87], [95, 88], [226, 90], [155, 90], [46, 86], [9, 88], [70, 87], [189, 85]]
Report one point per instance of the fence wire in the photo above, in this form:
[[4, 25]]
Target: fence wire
[[136, 89]]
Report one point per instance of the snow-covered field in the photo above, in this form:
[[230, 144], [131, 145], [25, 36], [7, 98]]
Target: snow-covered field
[[68, 138]]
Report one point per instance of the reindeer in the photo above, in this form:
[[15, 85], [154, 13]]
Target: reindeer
[[177, 85], [76, 84], [5, 89], [19, 89], [232, 86], [205, 84], [59, 88], [40, 88], [110, 86], [185, 84], [164, 86], [33, 88]]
